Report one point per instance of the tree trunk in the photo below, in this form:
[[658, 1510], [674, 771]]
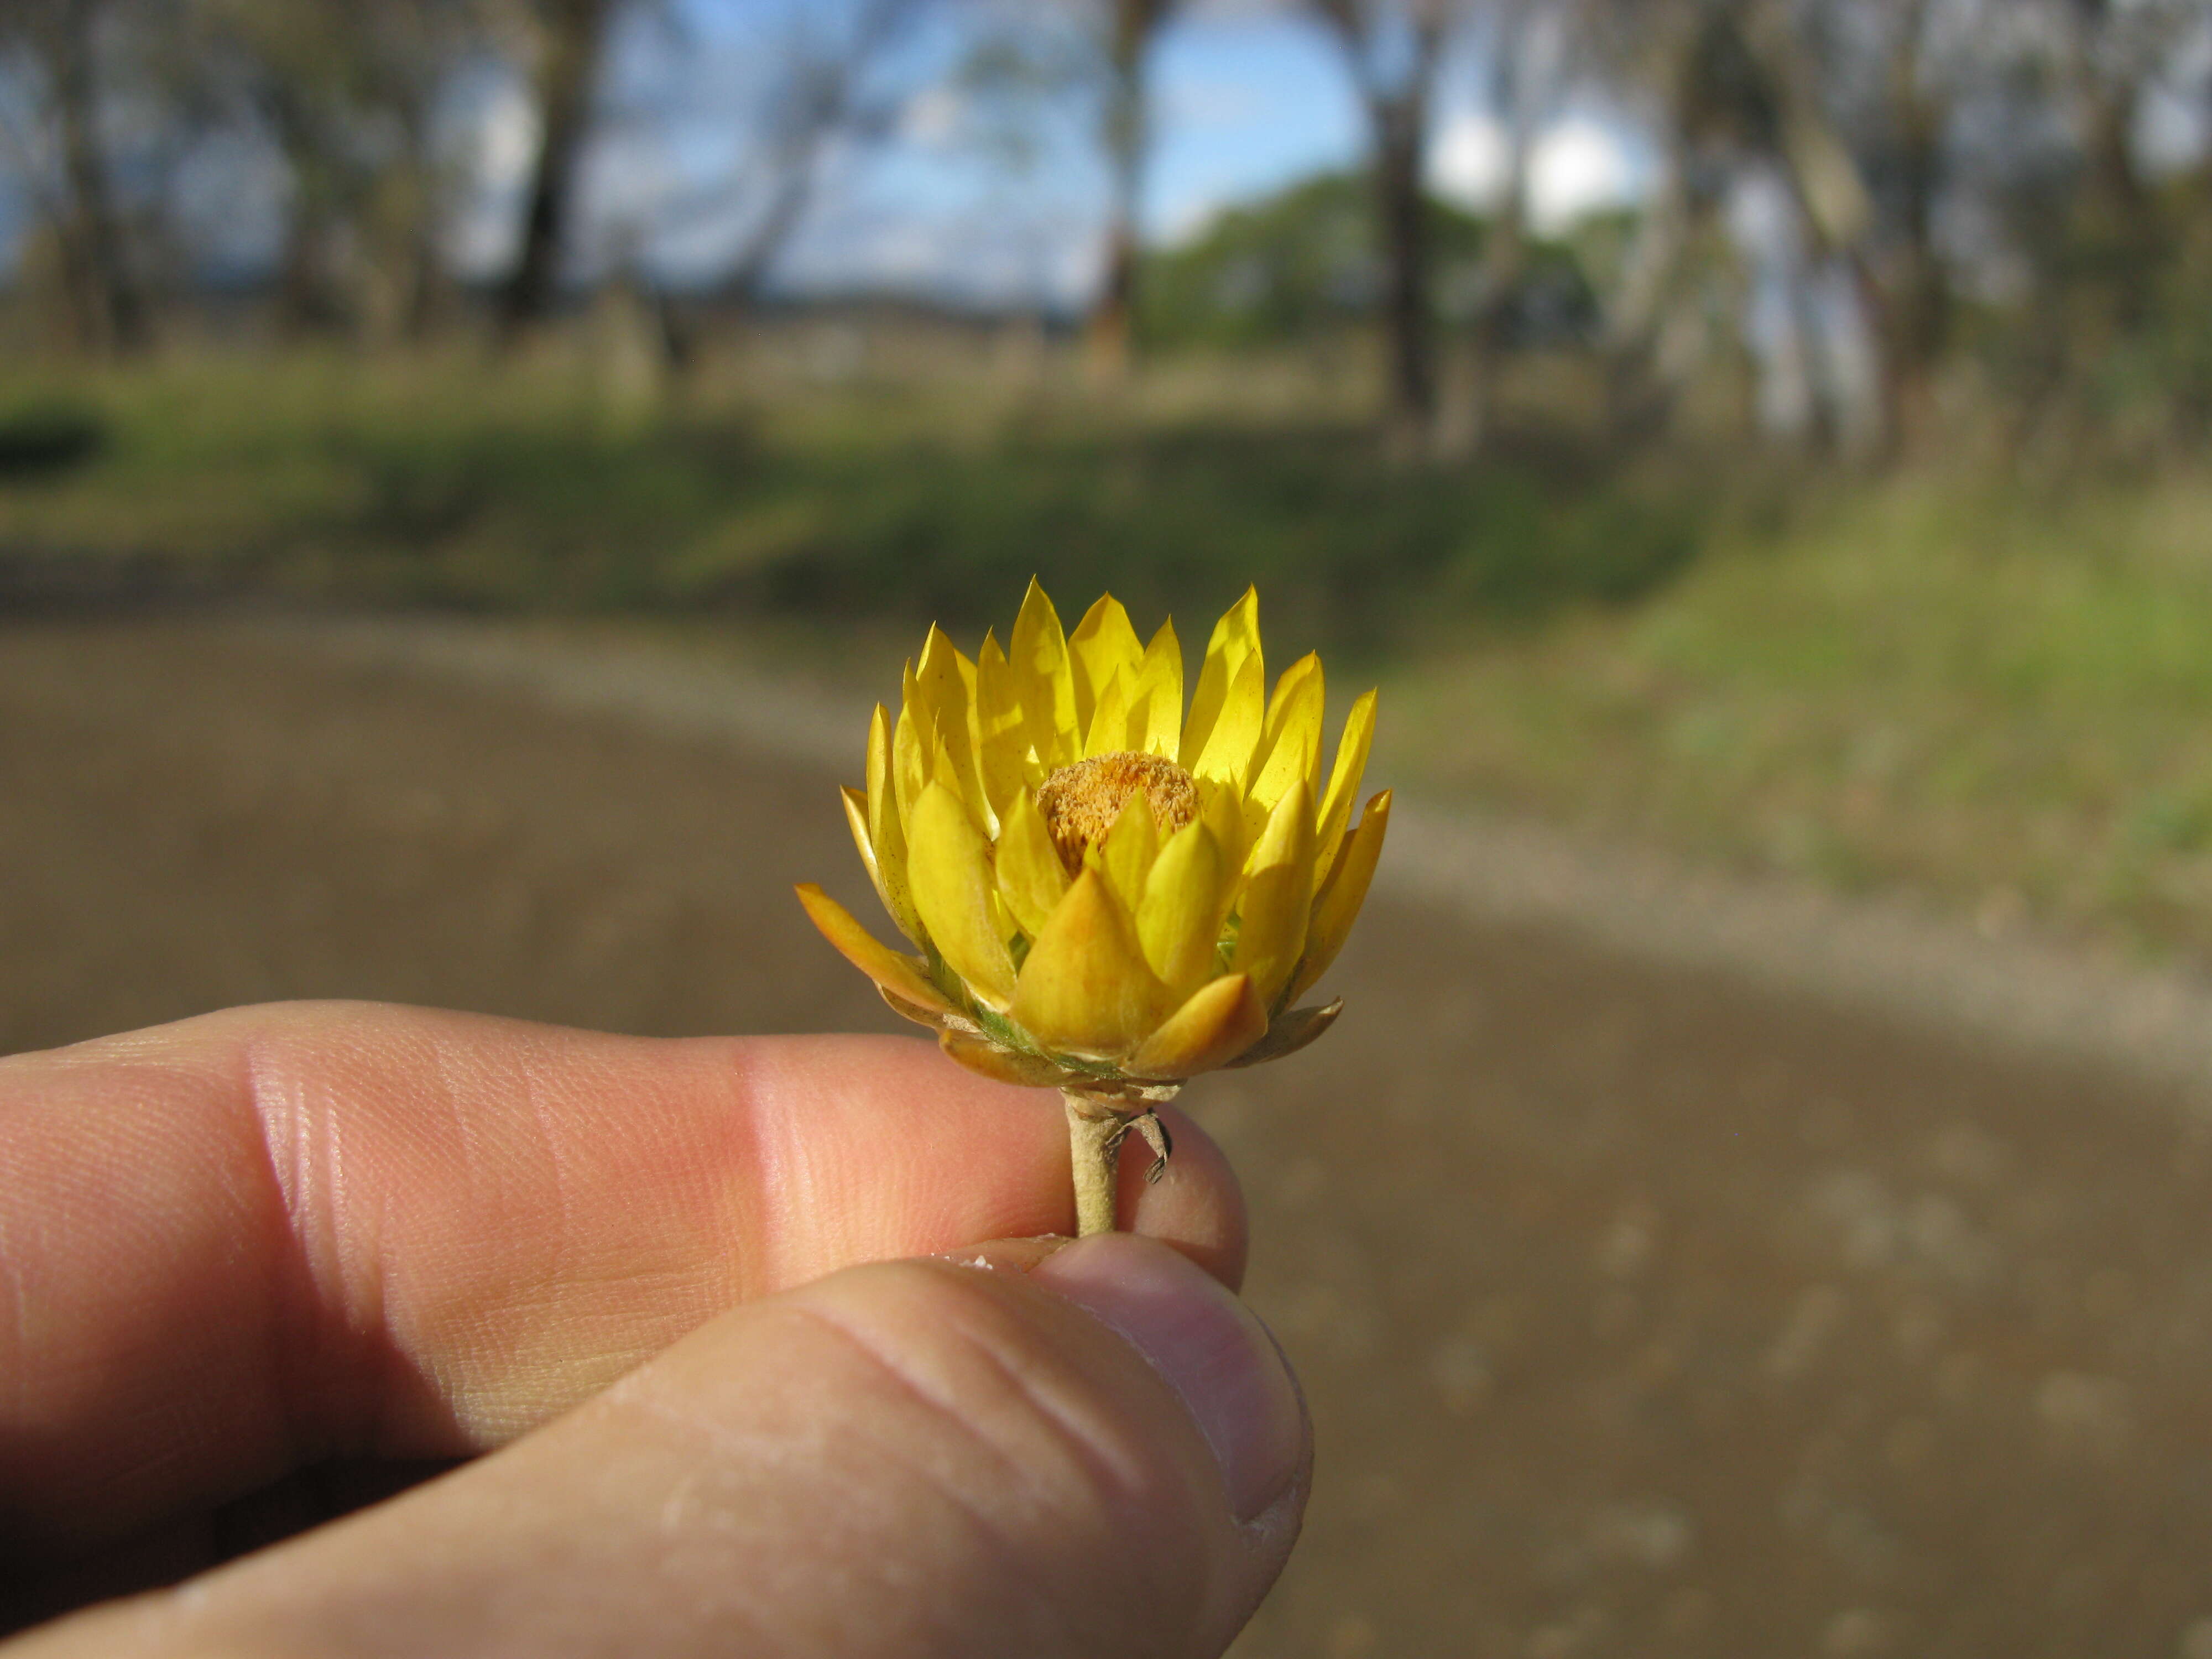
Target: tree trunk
[[111, 308], [309, 300], [1909, 301], [1127, 133], [1403, 209], [574, 30], [1504, 265], [2116, 222], [422, 284]]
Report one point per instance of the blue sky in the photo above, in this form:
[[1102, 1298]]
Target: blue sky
[[1249, 97], [1245, 105]]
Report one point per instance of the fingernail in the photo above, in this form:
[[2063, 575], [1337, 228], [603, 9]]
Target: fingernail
[[1211, 1348]]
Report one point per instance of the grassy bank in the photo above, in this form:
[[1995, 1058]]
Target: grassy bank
[[1996, 692], [2001, 696], [440, 482]]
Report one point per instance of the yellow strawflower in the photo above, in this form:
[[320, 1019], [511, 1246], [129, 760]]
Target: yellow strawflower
[[1108, 898]]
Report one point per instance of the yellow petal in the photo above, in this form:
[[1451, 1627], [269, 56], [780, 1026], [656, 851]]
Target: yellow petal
[[879, 761], [1218, 1023], [1289, 1033], [1227, 755], [1222, 808], [945, 682], [1338, 907], [1031, 879], [1343, 783], [895, 975], [886, 835], [1044, 680], [1289, 747], [987, 1059], [1109, 733], [950, 863], [1084, 989], [1001, 735], [856, 816], [912, 739], [1278, 898], [1236, 638], [1156, 703], [1179, 922], [1105, 647], [1131, 843], [939, 674]]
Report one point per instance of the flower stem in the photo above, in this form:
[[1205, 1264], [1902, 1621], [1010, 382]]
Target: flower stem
[[1095, 1149]]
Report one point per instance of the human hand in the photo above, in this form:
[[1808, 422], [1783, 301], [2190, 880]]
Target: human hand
[[249, 1258]]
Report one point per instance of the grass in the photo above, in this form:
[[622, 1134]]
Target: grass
[[1995, 692], [1999, 695], [528, 490]]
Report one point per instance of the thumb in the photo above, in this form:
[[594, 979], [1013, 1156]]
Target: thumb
[[1094, 1451]]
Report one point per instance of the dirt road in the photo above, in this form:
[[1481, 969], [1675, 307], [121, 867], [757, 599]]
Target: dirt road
[[1644, 1312]]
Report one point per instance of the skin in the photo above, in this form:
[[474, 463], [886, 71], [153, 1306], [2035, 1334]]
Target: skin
[[700, 1332]]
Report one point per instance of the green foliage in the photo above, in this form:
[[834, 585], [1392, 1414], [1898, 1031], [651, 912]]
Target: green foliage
[[1285, 268], [431, 486], [1301, 263], [45, 434], [1182, 518], [1999, 697]]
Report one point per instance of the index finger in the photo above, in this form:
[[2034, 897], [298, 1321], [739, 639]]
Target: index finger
[[254, 1240]]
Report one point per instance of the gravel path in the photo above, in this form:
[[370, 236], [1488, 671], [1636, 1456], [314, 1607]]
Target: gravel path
[[1656, 1296]]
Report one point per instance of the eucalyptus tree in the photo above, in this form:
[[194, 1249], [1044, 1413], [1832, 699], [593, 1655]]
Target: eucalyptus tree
[[347, 95], [833, 83], [1395, 49], [1527, 66], [64, 54], [568, 39], [1128, 28]]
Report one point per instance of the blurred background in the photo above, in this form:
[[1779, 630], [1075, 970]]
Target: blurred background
[[466, 466]]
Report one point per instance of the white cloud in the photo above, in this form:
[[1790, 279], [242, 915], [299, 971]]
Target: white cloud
[[492, 136], [1211, 103], [934, 117], [1467, 160], [505, 137], [1580, 166], [2172, 132], [1184, 221]]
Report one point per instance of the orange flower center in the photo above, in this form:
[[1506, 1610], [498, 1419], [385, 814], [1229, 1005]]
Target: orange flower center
[[1080, 802]]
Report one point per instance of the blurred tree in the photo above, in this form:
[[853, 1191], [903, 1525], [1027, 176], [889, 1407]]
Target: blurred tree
[[1524, 54], [1738, 89], [1300, 265], [1660, 314], [347, 94], [420, 46], [1292, 269], [570, 37], [1130, 28], [828, 89], [1033, 65], [1902, 141], [1394, 48], [828, 79], [66, 45], [2098, 284]]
